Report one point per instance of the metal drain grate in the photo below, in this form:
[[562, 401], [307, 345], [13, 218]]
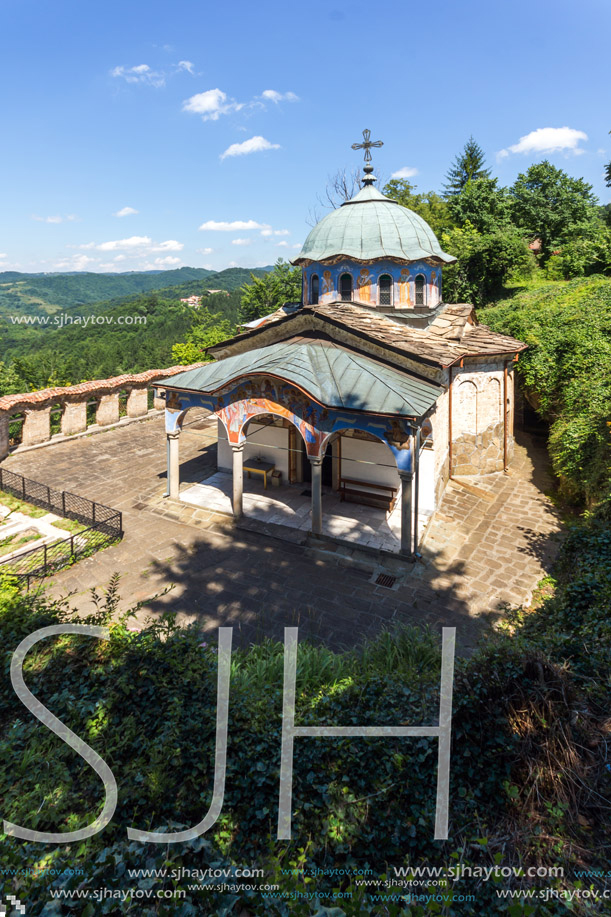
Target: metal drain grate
[[384, 579]]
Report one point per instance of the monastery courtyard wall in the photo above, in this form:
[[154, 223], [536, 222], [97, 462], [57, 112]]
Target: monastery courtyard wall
[[483, 547]]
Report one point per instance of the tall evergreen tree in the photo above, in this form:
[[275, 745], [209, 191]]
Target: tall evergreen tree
[[468, 166]]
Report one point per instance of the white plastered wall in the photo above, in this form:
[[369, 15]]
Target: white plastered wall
[[367, 461], [268, 443]]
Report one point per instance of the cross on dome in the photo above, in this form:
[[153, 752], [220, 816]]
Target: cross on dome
[[367, 144]]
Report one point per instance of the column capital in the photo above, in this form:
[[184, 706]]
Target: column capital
[[173, 435], [405, 475], [237, 447], [316, 459]]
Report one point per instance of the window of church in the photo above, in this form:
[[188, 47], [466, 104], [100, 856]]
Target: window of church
[[419, 283], [345, 287], [385, 290], [314, 290]]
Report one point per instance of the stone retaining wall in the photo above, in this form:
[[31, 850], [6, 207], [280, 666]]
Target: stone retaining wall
[[36, 407], [480, 453]]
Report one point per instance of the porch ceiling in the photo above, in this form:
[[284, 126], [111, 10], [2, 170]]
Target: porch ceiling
[[332, 375]]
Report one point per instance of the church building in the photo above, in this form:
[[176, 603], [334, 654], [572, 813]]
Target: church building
[[371, 387]]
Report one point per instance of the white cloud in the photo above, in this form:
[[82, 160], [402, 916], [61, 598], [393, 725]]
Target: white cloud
[[139, 246], [272, 96], [282, 244], [167, 262], [3, 255], [69, 218], [241, 241], [296, 245], [211, 104], [405, 172], [141, 73], [548, 140], [275, 232], [114, 245], [204, 251], [223, 226], [75, 263], [171, 245], [119, 258], [185, 65], [254, 145], [125, 212]]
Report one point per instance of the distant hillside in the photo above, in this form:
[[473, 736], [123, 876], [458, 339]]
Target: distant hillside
[[39, 294], [31, 294], [123, 334]]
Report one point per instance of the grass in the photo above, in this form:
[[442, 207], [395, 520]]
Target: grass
[[10, 544], [20, 506], [69, 525]]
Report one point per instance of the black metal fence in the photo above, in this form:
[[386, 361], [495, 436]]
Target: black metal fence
[[104, 525]]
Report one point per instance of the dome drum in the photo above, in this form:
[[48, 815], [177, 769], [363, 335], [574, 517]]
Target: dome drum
[[383, 283]]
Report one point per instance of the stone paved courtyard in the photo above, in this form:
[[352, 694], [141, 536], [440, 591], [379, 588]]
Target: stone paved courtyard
[[486, 545]]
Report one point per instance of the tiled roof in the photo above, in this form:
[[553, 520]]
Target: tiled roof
[[453, 334]]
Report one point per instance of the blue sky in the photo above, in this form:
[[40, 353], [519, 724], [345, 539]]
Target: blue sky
[[231, 116]]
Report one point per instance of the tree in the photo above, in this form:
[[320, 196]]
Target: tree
[[429, 205], [548, 203], [208, 328], [467, 166], [483, 204], [485, 263], [266, 294], [608, 173]]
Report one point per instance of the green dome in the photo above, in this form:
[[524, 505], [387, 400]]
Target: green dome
[[372, 226]]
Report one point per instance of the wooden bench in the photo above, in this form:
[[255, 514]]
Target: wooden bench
[[380, 495]]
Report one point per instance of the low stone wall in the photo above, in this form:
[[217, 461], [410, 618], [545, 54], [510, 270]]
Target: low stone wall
[[480, 453], [72, 401]]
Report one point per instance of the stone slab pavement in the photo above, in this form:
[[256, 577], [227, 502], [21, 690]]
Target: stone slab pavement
[[485, 546]]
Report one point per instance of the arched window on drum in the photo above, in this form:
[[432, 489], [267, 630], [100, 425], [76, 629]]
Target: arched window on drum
[[345, 287], [420, 287], [314, 286], [385, 290]]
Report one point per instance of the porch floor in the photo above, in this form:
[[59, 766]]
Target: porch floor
[[289, 505]]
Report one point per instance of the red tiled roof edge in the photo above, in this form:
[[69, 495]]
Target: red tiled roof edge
[[104, 386]]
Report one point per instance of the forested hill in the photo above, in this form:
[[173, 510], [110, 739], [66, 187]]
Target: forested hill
[[130, 333], [40, 294]]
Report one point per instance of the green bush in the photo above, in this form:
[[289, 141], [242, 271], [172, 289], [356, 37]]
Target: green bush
[[565, 372], [146, 702]]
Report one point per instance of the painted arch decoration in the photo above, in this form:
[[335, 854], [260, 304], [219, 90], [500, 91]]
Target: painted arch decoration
[[237, 404]]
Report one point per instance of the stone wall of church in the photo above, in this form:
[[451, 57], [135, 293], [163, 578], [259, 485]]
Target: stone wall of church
[[366, 282], [441, 445], [477, 419]]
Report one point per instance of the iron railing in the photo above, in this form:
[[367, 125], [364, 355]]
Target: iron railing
[[104, 525]]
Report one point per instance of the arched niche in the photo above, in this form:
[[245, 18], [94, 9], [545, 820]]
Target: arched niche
[[467, 398]]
